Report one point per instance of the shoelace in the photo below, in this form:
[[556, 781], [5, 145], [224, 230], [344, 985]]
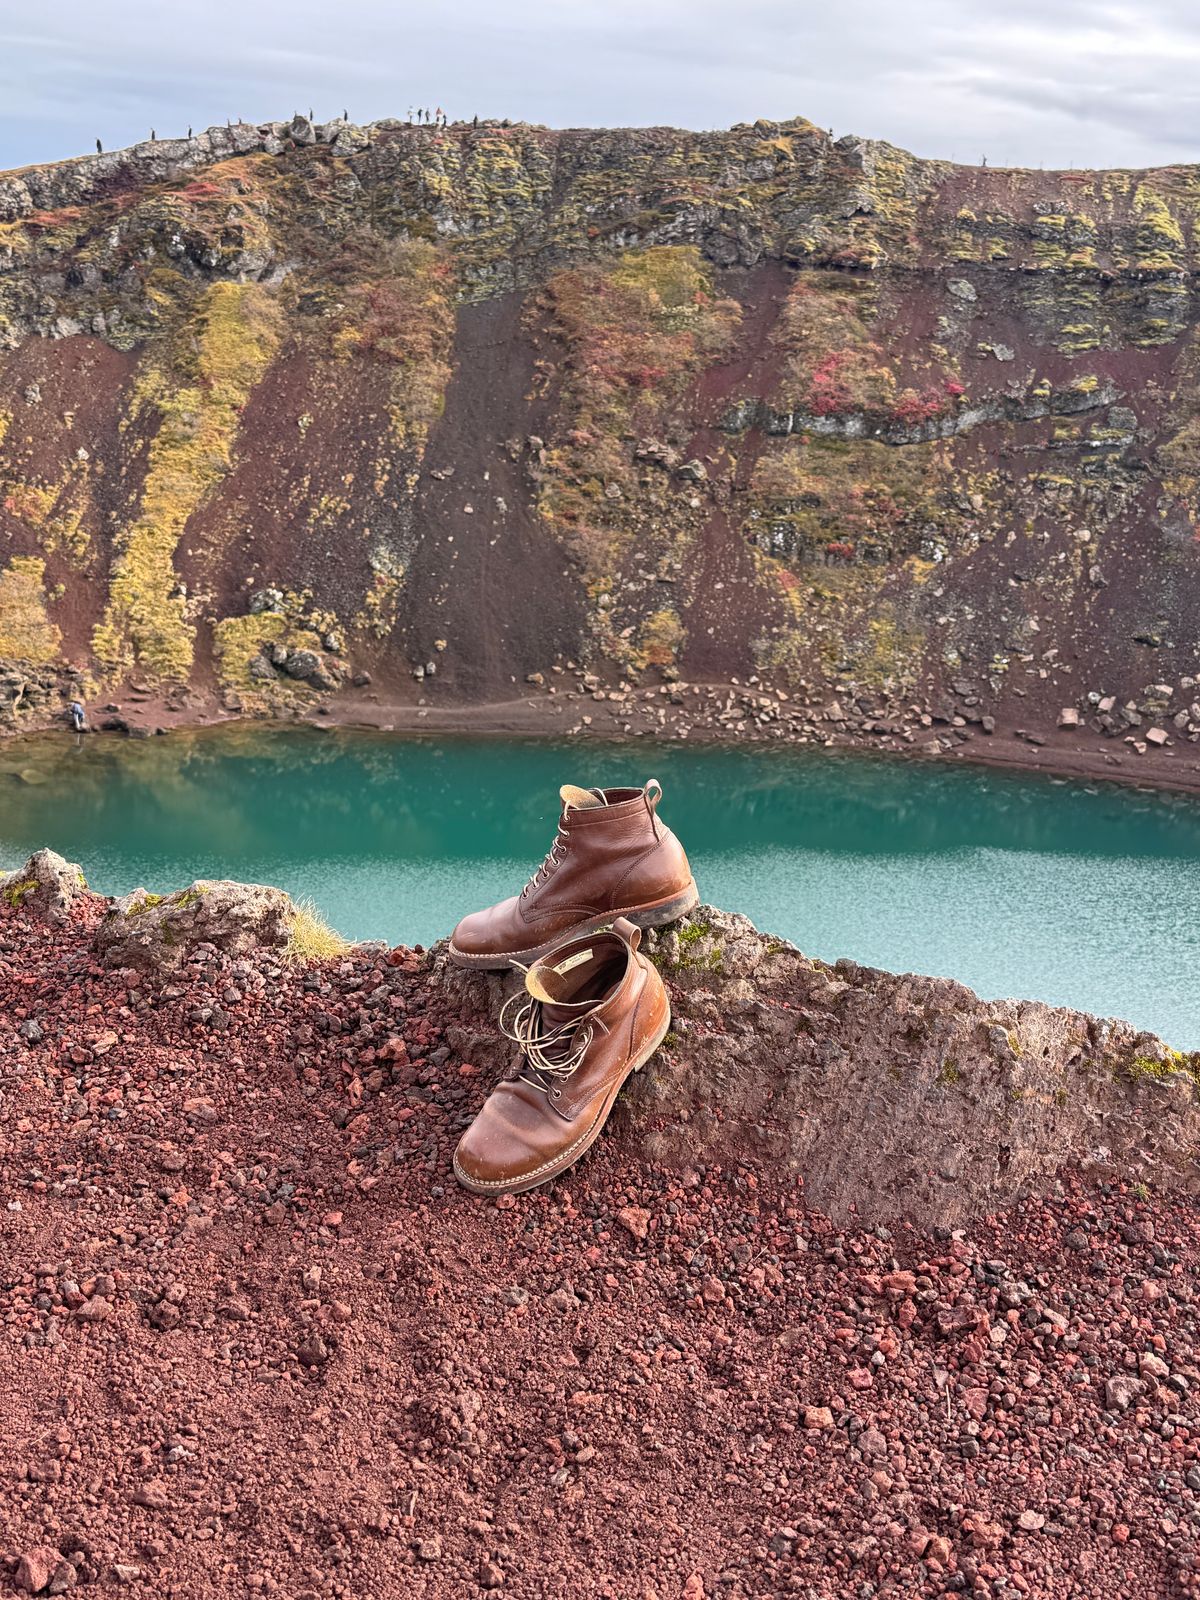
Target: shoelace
[[524, 1029], [553, 857]]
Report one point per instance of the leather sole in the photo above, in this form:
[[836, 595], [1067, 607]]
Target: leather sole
[[575, 1151], [654, 914]]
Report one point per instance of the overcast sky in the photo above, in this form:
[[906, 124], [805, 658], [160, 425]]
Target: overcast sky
[[1052, 83]]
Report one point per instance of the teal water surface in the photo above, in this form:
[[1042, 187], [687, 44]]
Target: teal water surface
[[1081, 895]]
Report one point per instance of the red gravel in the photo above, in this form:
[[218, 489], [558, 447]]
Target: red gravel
[[253, 1338]]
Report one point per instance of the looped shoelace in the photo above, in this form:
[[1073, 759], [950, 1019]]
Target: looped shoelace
[[524, 1030], [553, 857]]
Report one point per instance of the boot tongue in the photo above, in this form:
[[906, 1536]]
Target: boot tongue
[[539, 982], [577, 799]]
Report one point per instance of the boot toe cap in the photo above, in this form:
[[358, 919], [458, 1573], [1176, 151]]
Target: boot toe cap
[[501, 1150], [484, 1162], [485, 933]]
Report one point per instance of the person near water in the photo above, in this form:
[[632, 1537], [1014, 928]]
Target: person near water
[[78, 716]]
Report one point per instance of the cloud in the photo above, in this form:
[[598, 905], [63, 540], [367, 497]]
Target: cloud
[[1028, 83]]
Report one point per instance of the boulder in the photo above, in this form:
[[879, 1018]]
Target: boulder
[[156, 933], [46, 885]]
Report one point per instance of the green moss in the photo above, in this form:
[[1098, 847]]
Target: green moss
[[16, 893], [948, 1073], [661, 638], [1178, 1062], [146, 903]]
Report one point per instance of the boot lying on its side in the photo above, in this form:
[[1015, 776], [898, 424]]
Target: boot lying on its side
[[591, 1012], [612, 857]]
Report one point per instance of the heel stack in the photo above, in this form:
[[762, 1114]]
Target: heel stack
[[669, 911]]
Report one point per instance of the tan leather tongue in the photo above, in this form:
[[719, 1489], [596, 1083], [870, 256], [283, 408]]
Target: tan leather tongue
[[579, 799], [548, 981]]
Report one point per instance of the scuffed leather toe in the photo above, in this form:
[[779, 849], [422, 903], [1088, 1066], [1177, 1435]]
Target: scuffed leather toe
[[476, 934]]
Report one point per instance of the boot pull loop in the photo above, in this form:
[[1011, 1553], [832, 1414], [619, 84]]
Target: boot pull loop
[[629, 931], [652, 793]]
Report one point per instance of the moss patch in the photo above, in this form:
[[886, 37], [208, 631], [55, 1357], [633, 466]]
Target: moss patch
[[26, 630], [198, 402]]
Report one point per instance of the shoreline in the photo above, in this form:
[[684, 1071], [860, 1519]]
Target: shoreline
[[758, 717]]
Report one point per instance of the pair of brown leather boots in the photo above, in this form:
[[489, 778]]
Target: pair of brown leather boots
[[593, 1009]]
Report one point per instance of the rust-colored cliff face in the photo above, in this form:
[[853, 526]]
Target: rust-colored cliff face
[[282, 405]]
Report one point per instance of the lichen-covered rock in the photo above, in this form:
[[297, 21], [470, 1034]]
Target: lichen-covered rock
[[884, 1095], [46, 885], [156, 933]]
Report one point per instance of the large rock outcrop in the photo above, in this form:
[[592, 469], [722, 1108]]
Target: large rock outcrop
[[156, 934], [47, 886], [886, 1095]]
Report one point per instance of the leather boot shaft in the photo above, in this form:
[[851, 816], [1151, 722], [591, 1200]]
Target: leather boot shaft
[[612, 856]]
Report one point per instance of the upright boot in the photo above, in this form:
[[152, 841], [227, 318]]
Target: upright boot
[[612, 857], [591, 1012]]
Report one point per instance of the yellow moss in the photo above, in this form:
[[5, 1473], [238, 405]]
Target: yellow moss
[[5, 424], [661, 638], [26, 631], [31, 503], [237, 334], [1158, 238], [238, 640]]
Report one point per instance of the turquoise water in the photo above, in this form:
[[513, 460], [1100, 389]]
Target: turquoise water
[[1084, 896]]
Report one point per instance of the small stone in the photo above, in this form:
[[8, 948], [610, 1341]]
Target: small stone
[[313, 1351], [820, 1417], [1068, 717], [1157, 736], [1031, 1521], [490, 1576], [429, 1549], [634, 1220], [36, 1567], [563, 1300], [1120, 1392], [153, 1495]]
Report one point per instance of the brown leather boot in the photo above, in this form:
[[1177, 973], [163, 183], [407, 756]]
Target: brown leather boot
[[612, 857], [591, 1012]]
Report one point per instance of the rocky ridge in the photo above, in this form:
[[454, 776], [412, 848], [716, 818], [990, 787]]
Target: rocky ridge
[[295, 416], [254, 1335]]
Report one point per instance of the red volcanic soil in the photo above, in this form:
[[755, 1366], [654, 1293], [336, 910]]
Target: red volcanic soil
[[253, 1339]]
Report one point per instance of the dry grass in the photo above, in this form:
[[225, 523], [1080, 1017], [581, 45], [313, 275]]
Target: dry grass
[[311, 937]]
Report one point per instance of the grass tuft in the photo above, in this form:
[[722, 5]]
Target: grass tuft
[[310, 936]]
